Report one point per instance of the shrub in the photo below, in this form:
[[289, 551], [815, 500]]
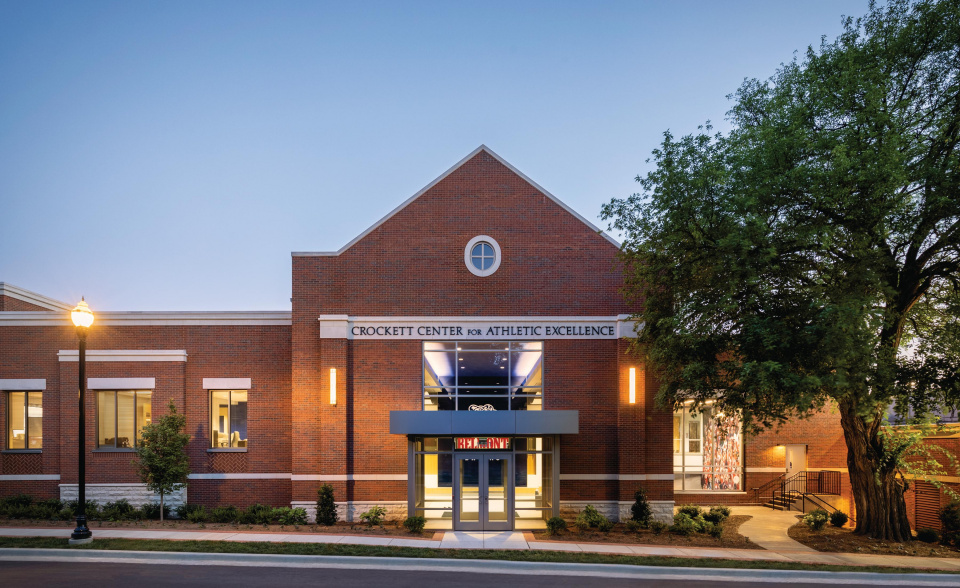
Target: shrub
[[658, 527], [634, 526], [17, 500], [326, 507], [556, 525], [928, 535], [151, 510], [416, 524], [838, 518], [120, 510], [715, 530], [224, 514], [605, 525], [183, 511], [289, 516], [256, 514], [374, 516], [592, 516], [717, 514], [691, 510], [684, 524], [91, 509], [582, 523], [197, 515], [950, 517], [640, 511], [65, 514], [817, 519]]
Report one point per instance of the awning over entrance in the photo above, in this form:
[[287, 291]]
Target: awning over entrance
[[508, 422]]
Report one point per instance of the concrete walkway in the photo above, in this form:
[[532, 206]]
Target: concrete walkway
[[768, 528], [513, 540]]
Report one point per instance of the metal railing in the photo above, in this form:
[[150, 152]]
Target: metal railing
[[800, 484]]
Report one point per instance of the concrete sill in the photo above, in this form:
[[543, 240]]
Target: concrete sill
[[22, 451], [227, 450]]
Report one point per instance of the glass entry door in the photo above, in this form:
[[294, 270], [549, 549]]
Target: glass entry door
[[484, 492]]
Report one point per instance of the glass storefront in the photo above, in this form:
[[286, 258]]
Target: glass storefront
[[707, 450], [483, 376], [482, 482]]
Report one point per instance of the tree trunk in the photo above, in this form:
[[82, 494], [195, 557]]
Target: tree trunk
[[877, 494], [161, 506]]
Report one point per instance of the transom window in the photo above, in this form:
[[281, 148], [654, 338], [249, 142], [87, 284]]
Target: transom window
[[483, 376], [121, 416], [25, 420]]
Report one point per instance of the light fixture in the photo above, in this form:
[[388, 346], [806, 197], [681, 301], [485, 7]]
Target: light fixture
[[82, 316], [333, 385], [633, 385]]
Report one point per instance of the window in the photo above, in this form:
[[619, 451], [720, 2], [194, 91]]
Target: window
[[25, 420], [707, 450], [483, 376], [228, 414], [482, 255], [121, 416]]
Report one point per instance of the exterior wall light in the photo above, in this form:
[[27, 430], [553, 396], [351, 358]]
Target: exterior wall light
[[333, 385], [633, 385]]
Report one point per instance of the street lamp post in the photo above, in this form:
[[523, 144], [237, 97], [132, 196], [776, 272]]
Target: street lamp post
[[82, 318]]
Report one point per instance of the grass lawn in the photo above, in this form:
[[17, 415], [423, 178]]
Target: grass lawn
[[385, 551]]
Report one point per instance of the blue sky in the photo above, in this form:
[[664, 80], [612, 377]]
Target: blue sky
[[170, 155]]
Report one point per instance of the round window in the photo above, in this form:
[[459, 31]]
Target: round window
[[482, 255]]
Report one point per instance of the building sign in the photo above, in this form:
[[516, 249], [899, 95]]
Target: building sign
[[484, 328], [482, 442]]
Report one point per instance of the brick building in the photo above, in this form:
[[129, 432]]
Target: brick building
[[465, 358]]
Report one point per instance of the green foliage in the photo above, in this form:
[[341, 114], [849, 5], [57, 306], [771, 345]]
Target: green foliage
[[285, 515], [152, 511], [692, 510], [121, 510], [224, 514], [658, 527], [374, 516], [838, 518], [684, 524], [23, 506], [161, 454], [717, 514], [326, 507], [592, 516], [785, 264], [950, 519], [605, 525], [715, 530], [581, 522], [640, 510], [634, 526], [928, 535], [256, 514], [198, 515], [415, 524], [556, 525], [816, 519], [185, 509]]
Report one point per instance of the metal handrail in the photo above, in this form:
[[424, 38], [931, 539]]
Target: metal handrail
[[802, 483], [774, 482]]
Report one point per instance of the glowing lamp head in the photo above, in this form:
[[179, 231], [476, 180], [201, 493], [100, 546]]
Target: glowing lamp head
[[82, 316]]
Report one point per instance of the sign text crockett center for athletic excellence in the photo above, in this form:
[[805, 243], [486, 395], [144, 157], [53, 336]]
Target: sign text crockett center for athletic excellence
[[485, 330]]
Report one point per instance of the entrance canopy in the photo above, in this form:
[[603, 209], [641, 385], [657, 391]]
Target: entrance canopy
[[508, 422]]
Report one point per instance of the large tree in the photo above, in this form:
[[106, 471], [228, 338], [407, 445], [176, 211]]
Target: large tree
[[811, 255]]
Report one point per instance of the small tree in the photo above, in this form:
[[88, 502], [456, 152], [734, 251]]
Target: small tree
[[162, 462], [640, 511], [326, 507]]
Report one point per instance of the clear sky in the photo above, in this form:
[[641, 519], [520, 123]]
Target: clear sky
[[170, 155]]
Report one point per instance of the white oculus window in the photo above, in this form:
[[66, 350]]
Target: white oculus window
[[482, 255]]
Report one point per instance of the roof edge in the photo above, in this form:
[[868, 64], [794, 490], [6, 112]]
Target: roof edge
[[18, 293], [443, 176]]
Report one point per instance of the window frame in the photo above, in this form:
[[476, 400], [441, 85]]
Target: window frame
[[511, 395], [468, 256], [8, 434], [212, 448], [116, 420]]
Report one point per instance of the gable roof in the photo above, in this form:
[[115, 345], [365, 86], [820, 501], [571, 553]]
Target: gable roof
[[19, 293], [442, 176]]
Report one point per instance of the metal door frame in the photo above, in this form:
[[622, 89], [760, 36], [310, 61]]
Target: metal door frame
[[483, 524]]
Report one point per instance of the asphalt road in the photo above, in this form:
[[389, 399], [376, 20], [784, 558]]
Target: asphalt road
[[136, 575]]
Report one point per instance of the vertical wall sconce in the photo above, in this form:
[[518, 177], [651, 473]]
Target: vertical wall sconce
[[633, 385], [333, 385]]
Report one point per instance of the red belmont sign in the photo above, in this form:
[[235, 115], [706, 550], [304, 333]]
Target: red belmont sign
[[483, 442]]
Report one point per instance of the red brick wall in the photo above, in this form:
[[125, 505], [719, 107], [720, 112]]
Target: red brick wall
[[10, 304]]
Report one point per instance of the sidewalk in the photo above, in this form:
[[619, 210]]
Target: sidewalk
[[516, 540]]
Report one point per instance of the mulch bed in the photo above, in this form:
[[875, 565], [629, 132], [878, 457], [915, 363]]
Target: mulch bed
[[731, 537], [842, 540], [389, 528]]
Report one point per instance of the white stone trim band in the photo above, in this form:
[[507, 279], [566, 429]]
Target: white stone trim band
[[28, 477], [121, 383], [125, 355], [226, 383], [348, 477], [26, 385], [623, 477], [477, 328]]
